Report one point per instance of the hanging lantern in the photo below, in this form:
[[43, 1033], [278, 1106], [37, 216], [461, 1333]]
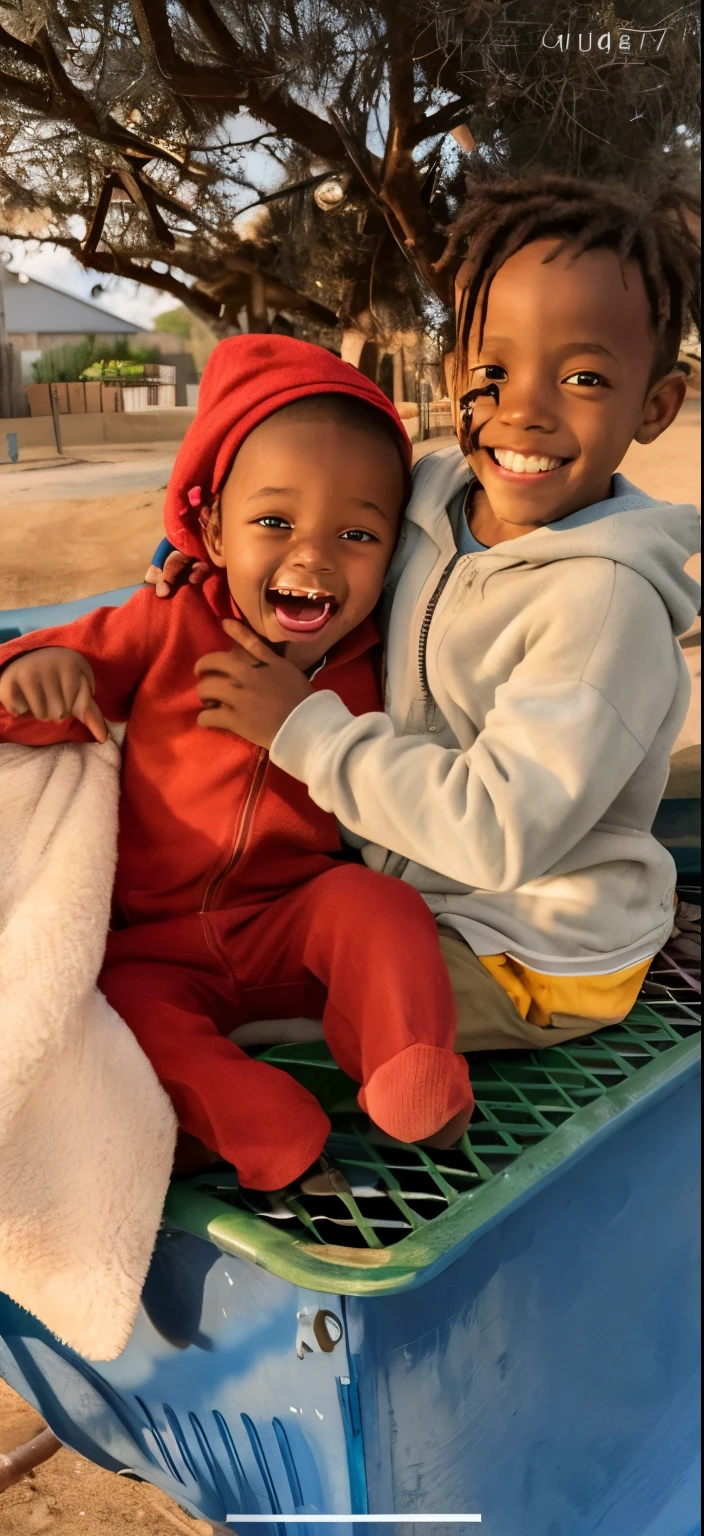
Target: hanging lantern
[[331, 193]]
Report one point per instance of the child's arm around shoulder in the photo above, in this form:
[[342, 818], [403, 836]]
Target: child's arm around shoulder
[[61, 684], [569, 725]]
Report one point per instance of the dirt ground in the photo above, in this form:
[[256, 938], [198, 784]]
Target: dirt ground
[[68, 1496], [56, 550], [56, 545]]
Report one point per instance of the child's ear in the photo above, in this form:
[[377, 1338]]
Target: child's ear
[[662, 403], [211, 529]]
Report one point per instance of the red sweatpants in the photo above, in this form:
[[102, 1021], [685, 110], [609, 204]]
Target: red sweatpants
[[351, 945]]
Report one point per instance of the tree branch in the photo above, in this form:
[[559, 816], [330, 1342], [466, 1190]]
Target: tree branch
[[400, 193], [273, 197], [82, 113], [441, 121], [207, 304], [97, 225], [112, 263], [23, 94], [190, 80], [368, 165], [286, 116], [295, 122], [214, 30], [23, 51], [68, 103], [144, 198]]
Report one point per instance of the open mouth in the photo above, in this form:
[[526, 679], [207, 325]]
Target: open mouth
[[533, 464], [300, 612]]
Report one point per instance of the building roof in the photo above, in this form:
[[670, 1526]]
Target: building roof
[[36, 306]]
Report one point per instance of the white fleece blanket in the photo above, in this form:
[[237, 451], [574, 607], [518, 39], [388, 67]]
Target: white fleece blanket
[[87, 1133]]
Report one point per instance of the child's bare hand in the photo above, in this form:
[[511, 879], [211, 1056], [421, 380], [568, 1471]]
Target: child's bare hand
[[52, 684], [249, 690], [175, 568]]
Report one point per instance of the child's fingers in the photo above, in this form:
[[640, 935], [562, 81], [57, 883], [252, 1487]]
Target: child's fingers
[[33, 690], [250, 642], [199, 573], [164, 580], [212, 687], [220, 719], [224, 663], [13, 695], [57, 699], [85, 709], [175, 564]]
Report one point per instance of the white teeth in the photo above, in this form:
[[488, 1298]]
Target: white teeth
[[518, 464], [312, 597]]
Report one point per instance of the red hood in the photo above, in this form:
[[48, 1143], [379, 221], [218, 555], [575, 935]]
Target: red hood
[[246, 379]]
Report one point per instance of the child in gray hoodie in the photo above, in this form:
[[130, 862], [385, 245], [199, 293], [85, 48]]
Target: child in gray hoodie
[[535, 686]]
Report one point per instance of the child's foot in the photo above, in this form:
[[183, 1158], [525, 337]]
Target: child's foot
[[421, 1095], [450, 1134], [321, 1179]]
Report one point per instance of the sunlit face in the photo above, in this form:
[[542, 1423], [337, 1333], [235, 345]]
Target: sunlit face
[[308, 521], [570, 345]]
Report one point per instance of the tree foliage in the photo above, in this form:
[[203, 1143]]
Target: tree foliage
[[137, 134]]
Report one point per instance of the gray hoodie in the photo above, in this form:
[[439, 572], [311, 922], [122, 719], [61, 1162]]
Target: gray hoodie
[[534, 693]]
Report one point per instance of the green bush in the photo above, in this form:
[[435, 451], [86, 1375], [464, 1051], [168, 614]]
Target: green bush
[[114, 368], [176, 321], [66, 365]]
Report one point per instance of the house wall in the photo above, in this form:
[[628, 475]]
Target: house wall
[[44, 341], [24, 341]]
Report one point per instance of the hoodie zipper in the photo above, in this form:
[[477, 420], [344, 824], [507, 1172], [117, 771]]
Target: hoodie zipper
[[246, 818], [423, 642], [243, 830]]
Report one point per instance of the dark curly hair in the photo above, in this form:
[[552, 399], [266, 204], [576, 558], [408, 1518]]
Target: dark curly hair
[[502, 215]]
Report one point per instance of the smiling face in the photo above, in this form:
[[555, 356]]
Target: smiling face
[[570, 347], [306, 526]]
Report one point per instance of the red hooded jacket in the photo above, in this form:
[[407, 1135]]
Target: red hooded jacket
[[205, 819]]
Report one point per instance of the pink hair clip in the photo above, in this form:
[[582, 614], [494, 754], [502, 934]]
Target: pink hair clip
[[195, 499]]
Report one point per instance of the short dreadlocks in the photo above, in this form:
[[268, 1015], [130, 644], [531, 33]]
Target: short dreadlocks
[[501, 216]]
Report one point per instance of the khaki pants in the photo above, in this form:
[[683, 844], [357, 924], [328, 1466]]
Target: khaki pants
[[487, 1019]]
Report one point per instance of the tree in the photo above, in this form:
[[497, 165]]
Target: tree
[[182, 322], [136, 135]]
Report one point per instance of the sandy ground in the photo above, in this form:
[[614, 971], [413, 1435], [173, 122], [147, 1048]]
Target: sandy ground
[[68, 1496], [89, 525], [53, 550]]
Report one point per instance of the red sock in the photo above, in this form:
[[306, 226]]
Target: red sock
[[417, 1092]]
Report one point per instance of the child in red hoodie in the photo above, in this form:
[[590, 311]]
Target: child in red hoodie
[[231, 900]]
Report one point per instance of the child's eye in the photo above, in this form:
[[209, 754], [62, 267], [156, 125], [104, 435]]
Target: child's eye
[[586, 379], [359, 536], [487, 371], [271, 521]]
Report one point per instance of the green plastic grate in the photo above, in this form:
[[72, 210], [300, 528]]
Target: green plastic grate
[[520, 1102], [408, 1209]]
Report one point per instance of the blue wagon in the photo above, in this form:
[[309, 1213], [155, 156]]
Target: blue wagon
[[507, 1330]]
